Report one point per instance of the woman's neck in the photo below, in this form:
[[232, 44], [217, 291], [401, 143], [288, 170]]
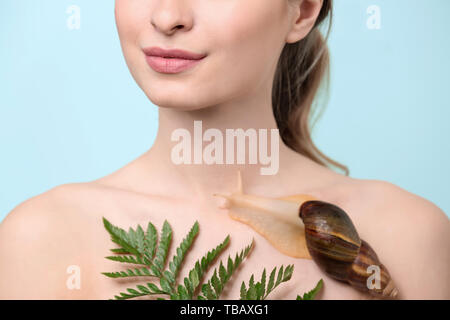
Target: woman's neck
[[194, 177]]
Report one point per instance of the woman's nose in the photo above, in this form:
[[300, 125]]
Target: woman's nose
[[168, 16]]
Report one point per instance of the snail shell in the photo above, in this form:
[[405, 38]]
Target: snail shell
[[324, 233], [336, 247]]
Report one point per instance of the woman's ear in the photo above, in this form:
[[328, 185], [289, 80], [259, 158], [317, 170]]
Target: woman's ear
[[305, 13]]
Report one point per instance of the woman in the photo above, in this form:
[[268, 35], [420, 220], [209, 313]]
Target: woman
[[251, 64]]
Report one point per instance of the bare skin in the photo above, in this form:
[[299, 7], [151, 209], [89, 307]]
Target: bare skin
[[63, 227], [231, 88]]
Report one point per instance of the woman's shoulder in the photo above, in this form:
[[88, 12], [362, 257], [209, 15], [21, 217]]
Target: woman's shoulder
[[66, 206], [30, 236], [37, 212], [47, 208], [41, 238], [410, 234], [391, 199], [385, 204]]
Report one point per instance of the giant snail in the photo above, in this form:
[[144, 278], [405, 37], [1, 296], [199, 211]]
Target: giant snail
[[301, 226]]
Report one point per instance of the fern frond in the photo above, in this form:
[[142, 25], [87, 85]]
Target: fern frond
[[142, 248], [125, 296], [127, 259], [311, 294], [258, 290], [140, 291], [178, 258], [243, 291], [215, 285], [132, 238], [163, 249], [196, 274], [150, 242], [137, 272], [262, 291], [120, 237], [139, 239], [119, 251]]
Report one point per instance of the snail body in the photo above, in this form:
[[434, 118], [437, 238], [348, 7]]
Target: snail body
[[302, 226]]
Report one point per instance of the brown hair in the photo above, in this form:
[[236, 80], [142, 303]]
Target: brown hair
[[302, 68]]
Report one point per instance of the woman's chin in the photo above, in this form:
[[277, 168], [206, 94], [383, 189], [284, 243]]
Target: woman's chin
[[176, 102]]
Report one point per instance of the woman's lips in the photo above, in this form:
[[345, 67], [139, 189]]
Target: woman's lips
[[170, 65], [171, 61]]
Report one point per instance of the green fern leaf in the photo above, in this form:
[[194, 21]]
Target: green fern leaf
[[216, 283], [194, 277], [311, 294], [178, 259], [196, 274], [120, 237], [208, 292], [279, 276], [142, 248], [137, 272], [132, 238], [165, 285], [127, 259], [243, 291], [262, 291], [154, 288], [251, 283], [119, 251], [271, 280], [182, 293], [140, 291], [222, 272], [143, 289], [140, 240], [130, 295], [251, 293], [283, 276], [219, 285], [258, 290], [189, 287], [150, 241], [288, 273], [163, 247]]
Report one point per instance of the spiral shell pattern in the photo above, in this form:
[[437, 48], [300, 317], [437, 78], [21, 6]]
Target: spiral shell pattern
[[336, 247]]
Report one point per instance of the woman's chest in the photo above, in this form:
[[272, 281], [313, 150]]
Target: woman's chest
[[213, 228]]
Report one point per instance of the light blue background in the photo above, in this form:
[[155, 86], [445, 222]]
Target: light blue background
[[70, 110]]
